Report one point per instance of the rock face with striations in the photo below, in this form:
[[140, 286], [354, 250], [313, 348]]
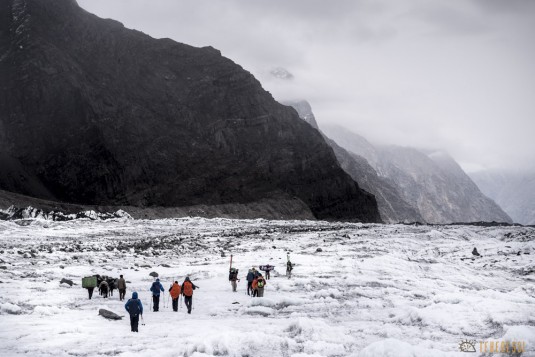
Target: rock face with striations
[[392, 207], [431, 182], [94, 113]]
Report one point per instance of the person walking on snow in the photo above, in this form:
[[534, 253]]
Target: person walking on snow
[[134, 308], [250, 278], [121, 285], [187, 291], [175, 291], [233, 278], [155, 288], [260, 284], [289, 268], [255, 286], [267, 268]]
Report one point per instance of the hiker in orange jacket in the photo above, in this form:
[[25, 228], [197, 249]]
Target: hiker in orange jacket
[[255, 286], [187, 291], [175, 291]]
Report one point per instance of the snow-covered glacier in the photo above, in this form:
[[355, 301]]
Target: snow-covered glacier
[[356, 289]]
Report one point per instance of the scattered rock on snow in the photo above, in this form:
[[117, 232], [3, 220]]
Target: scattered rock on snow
[[66, 281], [319, 250], [109, 315], [475, 252], [154, 274]]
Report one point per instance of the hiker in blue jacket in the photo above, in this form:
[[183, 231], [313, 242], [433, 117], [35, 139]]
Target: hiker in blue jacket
[[155, 288], [134, 308]]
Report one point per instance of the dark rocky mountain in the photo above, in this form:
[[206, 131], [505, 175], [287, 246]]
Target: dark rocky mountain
[[94, 113], [392, 207], [513, 190], [432, 183]]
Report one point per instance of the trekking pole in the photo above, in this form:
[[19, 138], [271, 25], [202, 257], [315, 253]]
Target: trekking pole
[[142, 321]]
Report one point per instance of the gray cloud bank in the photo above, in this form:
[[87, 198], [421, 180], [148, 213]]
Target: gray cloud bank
[[456, 75]]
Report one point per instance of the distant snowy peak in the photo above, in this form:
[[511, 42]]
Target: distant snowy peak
[[281, 73], [14, 213]]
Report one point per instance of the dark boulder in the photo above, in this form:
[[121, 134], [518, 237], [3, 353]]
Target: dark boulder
[[109, 315], [67, 281]]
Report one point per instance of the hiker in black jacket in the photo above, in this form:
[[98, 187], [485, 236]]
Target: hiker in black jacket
[[250, 278]]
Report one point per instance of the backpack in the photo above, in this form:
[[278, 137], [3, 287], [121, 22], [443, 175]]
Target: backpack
[[175, 291], [155, 287], [187, 288], [89, 282], [260, 283], [133, 307], [233, 274]]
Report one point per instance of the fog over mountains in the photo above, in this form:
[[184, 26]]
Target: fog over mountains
[[513, 190], [410, 185]]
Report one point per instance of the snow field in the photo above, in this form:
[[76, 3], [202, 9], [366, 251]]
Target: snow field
[[373, 290]]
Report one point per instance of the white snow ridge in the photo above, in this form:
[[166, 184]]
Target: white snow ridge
[[372, 290]]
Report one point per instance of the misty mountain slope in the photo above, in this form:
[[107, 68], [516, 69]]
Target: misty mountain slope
[[433, 184], [514, 191], [304, 110], [94, 113], [392, 207]]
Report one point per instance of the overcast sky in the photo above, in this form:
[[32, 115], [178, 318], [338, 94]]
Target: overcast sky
[[456, 75]]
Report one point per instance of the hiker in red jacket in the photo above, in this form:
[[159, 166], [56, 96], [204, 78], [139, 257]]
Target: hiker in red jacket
[[187, 291], [175, 291]]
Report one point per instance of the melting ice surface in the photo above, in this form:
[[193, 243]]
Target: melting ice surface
[[372, 290]]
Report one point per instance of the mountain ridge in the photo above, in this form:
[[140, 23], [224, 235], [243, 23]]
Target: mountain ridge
[[434, 184], [95, 113]]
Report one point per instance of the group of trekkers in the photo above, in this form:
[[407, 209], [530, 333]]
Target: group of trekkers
[[134, 306], [176, 290], [255, 280], [105, 285], [255, 287]]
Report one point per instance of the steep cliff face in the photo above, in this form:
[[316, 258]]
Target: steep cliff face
[[432, 183], [438, 187], [392, 207], [93, 113]]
